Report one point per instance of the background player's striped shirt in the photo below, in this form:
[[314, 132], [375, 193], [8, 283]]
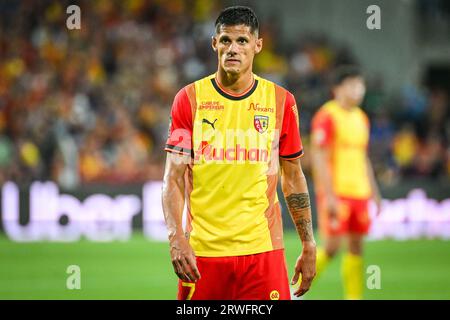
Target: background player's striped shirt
[[234, 141]]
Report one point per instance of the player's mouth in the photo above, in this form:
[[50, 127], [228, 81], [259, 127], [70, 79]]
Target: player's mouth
[[232, 61]]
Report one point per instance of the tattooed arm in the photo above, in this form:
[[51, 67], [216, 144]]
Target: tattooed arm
[[295, 190], [182, 255]]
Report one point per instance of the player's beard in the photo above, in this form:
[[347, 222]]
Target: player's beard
[[233, 70]]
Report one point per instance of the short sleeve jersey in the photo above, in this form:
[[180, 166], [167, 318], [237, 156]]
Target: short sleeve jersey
[[235, 142], [346, 134]]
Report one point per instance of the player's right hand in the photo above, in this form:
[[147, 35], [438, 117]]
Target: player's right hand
[[183, 259]]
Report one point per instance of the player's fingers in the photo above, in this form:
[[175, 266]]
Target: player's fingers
[[193, 265], [189, 269], [299, 281], [300, 292], [179, 269], [295, 277], [182, 276], [176, 268], [306, 277], [304, 285], [186, 269]]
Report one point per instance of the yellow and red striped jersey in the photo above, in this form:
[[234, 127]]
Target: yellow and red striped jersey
[[234, 142], [346, 133]]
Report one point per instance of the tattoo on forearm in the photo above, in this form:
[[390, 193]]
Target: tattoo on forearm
[[300, 209], [304, 228], [298, 201]]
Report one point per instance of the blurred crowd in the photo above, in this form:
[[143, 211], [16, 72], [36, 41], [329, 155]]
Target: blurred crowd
[[92, 105]]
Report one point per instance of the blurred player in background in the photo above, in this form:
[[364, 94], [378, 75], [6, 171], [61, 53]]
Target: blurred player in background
[[343, 177], [227, 132]]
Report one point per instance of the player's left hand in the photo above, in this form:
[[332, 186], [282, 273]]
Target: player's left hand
[[306, 266]]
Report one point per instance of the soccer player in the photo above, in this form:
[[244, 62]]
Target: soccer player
[[229, 132], [343, 177]]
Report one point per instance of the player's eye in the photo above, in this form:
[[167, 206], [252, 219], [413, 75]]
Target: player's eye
[[242, 41], [225, 40]]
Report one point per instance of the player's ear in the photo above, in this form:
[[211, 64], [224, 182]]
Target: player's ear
[[259, 45], [214, 43]]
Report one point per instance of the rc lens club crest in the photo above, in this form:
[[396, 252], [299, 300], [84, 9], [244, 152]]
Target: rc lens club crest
[[261, 123]]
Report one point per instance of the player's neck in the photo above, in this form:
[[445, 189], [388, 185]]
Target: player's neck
[[234, 83], [344, 103]]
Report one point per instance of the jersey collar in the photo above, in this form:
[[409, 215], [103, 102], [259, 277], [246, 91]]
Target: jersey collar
[[232, 96]]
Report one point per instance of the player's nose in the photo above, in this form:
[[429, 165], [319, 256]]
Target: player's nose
[[232, 49]]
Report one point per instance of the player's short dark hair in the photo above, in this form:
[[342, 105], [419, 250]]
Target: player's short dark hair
[[344, 72], [236, 15]]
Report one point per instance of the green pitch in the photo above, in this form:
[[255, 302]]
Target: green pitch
[[140, 269]]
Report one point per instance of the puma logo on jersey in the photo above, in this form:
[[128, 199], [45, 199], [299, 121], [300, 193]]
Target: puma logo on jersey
[[210, 123]]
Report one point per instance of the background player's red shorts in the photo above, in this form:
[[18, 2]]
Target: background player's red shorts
[[353, 216], [261, 276]]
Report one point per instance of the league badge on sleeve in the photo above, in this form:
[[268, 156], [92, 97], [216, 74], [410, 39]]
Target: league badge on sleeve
[[261, 123]]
